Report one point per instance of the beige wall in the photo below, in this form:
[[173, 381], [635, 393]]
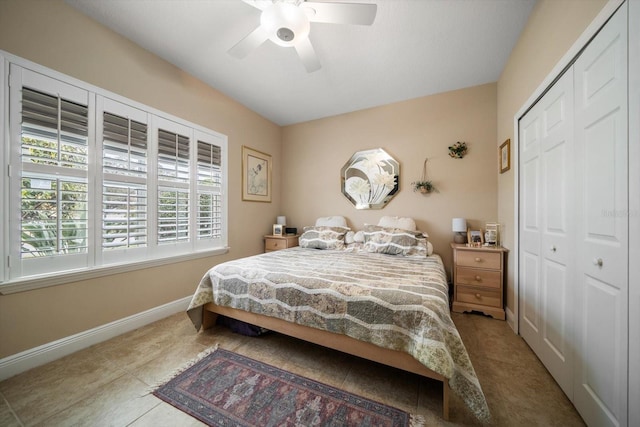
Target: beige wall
[[53, 34], [553, 27], [307, 157], [314, 152]]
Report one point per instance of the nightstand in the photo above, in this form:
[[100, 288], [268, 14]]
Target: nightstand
[[276, 243], [478, 279]]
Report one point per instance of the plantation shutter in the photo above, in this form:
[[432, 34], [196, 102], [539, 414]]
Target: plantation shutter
[[173, 186], [209, 182], [124, 189], [173, 156], [93, 180], [54, 182]]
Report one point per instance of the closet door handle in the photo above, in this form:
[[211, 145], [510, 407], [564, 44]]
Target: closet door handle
[[598, 262], [553, 248]]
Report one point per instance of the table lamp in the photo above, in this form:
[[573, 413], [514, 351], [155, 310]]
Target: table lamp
[[459, 228]]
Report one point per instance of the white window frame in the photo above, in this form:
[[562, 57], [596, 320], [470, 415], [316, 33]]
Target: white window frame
[[13, 274], [4, 183]]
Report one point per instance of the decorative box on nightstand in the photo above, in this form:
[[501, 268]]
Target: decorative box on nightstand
[[276, 243], [478, 279]]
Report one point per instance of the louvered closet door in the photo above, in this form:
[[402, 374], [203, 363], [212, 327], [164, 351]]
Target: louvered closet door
[[547, 229], [602, 239]]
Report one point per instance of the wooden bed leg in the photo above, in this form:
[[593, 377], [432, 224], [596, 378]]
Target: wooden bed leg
[[445, 399], [208, 319]]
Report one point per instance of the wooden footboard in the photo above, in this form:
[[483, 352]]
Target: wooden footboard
[[393, 358]]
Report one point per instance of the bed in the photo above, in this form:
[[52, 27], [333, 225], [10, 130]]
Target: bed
[[392, 309]]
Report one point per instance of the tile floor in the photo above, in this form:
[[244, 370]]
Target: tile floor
[[108, 383]]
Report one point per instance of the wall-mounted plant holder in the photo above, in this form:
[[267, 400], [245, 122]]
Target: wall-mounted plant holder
[[458, 150], [423, 186]]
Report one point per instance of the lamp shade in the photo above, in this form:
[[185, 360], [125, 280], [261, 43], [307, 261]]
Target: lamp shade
[[459, 225], [281, 220]]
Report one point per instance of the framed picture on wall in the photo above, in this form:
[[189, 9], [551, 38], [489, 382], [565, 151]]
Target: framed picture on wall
[[256, 175], [504, 155]]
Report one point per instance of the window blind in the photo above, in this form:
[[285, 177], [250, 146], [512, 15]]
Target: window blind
[[173, 156], [124, 190], [124, 146], [209, 219], [53, 197], [54, 131], [94, 180]]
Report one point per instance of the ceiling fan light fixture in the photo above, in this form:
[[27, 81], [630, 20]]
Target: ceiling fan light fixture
[[285, 34], [285, 23]]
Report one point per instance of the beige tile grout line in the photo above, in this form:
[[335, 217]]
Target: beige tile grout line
[[11, 410]]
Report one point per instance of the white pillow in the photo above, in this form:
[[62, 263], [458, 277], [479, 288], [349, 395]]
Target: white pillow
[[429, 248], [331, 221], [349, 237], [359, 237], [397, 222]]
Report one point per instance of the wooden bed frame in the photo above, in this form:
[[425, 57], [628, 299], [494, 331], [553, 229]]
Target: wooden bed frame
[[346, 344]]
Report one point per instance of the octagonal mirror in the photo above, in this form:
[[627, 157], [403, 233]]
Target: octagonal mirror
[[370, 179]]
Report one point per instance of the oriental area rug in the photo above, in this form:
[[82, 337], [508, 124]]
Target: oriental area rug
[[227, 389]]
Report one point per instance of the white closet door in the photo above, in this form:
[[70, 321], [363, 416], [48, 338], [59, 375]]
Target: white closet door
[[634, 214], [600, 387], [530, 227], [556, 250], [547, 229]]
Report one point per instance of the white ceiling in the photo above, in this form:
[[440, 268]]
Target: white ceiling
[[414, 48]]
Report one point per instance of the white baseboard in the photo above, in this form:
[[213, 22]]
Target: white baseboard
[[28, 359], [511, 319]]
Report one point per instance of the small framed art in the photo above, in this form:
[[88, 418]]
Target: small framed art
[[256, 175], [475, 238], [504, 156], [278, 229]]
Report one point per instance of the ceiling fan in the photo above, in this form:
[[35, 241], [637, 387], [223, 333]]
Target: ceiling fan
[[287, 23]]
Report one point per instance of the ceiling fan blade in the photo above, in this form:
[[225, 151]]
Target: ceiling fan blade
[[249, 43], [340, 13], [308, 55], [259, 4]]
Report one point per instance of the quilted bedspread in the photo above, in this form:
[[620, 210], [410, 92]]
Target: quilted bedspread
[[396, 302]]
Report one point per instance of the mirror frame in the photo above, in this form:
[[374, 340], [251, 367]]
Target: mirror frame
[[370, 179]]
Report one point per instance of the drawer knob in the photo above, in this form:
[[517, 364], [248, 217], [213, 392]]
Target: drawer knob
[[478, 278], [553, 248], [478, 296], [598, 262], [478, 259]]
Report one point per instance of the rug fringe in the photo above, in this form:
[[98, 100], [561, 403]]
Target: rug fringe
[[417, 421], [180, 369]]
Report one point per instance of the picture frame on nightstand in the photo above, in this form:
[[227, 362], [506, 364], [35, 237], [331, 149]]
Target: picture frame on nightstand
[[278, 229], [475, 238]]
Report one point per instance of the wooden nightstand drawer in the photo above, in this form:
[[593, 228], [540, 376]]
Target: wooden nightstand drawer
[[488, 297], [274, 244], [478, 277], [491, 260]]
